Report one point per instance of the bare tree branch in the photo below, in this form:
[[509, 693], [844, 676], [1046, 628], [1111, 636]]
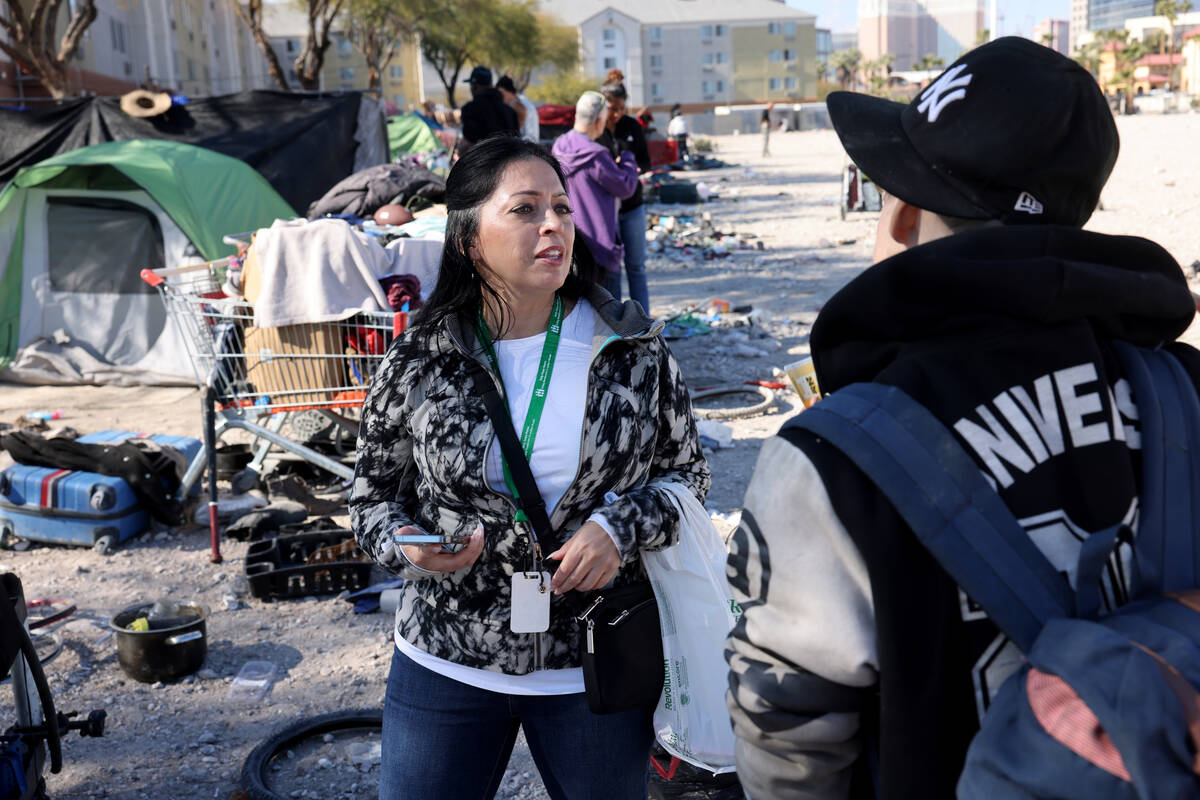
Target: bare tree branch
[[251, 16]]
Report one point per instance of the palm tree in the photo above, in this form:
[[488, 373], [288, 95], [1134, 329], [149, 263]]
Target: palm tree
[[846, 64], [929, 62], [1170, 9]]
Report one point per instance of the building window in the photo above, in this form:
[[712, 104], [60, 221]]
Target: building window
[[656, 33], [775, 84], [722, 58], [293, 45], [346, 73], [775, 55], [656, 90], [345, 46], [789, 82], [706, 87], [191, 70], [399, 101], [395, 72], [610, 62], [706, 31], [117, 30], [789, 55], [655, 61], [720, 86], [789, 29], [719, 30], [609, 34], [128, 68], [187, 15], [207, 76], [707, 59], [773, 28]]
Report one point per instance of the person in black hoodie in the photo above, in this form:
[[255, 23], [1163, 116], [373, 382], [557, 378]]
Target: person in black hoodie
[[858, 668], [623, 133], [487, 114]]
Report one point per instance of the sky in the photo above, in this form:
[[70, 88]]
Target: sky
[[1019, 16]]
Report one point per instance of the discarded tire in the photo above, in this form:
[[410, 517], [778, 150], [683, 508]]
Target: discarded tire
[[258, 763], [768, 398]]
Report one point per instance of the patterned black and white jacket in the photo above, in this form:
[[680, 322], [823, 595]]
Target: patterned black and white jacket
[[422, 451]]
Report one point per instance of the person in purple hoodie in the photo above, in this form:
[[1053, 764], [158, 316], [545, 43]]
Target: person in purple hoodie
[[596, 184]]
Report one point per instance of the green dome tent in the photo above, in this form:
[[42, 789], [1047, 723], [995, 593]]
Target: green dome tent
[[408, 133], [77, 229]]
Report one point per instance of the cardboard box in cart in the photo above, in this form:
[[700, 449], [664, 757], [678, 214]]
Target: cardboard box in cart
[[61, 506], [289, 362]]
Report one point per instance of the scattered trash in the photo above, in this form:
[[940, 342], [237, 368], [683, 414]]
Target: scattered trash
[[685, 325], [230, 507], [252, 683], [720, 434], [767, 399], [45, 415], [365, 753]]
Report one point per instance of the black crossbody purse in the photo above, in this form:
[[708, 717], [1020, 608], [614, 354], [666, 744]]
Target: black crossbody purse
[[620, 642]]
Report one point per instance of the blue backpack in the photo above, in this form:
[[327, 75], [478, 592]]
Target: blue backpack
[[1104, 707]]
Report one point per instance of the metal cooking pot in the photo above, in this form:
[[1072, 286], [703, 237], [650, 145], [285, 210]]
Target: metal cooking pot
[[174, 646]]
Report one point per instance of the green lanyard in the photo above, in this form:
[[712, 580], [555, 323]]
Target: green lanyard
[[540, 386]]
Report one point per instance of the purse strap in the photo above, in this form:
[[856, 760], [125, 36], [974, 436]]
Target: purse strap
[[528, 498]]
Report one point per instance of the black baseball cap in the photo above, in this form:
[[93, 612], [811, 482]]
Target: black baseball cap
[[1012, 131], [481, 76]]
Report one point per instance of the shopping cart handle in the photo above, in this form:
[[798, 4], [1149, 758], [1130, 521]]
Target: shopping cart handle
[[151, 277]]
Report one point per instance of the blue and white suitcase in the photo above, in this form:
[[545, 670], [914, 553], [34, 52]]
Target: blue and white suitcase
[[73, 507]]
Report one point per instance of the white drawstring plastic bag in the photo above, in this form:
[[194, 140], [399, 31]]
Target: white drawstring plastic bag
[[696, 611]]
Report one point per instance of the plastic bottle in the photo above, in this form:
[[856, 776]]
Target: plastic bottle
[[45, 415]]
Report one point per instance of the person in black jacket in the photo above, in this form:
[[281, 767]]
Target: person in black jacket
[[486, 114], [859, 668], [624, 133]]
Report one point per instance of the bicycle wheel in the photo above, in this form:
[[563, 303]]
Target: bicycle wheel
[[325, 755]]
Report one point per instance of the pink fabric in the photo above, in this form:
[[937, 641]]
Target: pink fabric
[[1064, 715]]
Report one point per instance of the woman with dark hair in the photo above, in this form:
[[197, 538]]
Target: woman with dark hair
[[623, 134], [609, 425]]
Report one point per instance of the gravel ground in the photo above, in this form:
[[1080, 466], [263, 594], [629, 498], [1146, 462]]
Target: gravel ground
[[189, 740]]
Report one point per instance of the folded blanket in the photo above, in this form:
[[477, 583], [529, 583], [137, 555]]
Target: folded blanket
[[317, 271]]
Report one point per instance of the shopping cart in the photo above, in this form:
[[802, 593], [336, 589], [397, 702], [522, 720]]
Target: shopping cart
[[255, 379]]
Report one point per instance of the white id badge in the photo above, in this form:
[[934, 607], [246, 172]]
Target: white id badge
[[530, 602]]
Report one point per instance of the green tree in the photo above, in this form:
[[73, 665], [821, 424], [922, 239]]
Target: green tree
[[846, 64], [563, 87], [377, 27], [1088, 57], [30, 38], [983, 37], [528, 40]]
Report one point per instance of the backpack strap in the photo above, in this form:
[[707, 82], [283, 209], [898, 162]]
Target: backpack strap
[[939, 491], [1168, 556]]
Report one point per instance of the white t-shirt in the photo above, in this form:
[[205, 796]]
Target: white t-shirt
[[531, 129], [677, 126], [554, 462]]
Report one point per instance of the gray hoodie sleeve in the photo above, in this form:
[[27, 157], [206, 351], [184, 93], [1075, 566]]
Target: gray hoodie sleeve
[[803, 655]]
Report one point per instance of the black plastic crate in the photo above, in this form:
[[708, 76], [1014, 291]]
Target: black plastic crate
[[277, 569]]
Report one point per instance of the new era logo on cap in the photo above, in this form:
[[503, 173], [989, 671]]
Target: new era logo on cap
[[1010, 120], [1029, 204]]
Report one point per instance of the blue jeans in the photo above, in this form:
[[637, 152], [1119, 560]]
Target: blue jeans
[[632, 225], [446, 740]]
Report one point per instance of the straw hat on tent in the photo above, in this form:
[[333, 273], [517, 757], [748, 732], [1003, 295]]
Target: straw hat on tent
[[141, 103]]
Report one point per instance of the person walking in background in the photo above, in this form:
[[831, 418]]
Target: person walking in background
[[486, 114], [527, 116], [596, 184], [623, 134], [612, 435], [765, 124], [677, 132]]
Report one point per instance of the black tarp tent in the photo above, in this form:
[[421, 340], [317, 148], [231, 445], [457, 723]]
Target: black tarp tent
[[302, 144]]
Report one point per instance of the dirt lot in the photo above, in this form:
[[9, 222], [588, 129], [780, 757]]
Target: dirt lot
[[189, 740]]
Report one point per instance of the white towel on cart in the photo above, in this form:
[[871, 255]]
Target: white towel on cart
[[317, 271]]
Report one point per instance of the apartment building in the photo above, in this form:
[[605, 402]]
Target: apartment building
[[698, 53], [911, 29], [196, 47], [1079, 33]]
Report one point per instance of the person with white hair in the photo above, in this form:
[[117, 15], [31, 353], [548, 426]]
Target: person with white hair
[[596, 183]]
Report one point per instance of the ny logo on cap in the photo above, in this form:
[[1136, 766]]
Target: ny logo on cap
[[944, 91]]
